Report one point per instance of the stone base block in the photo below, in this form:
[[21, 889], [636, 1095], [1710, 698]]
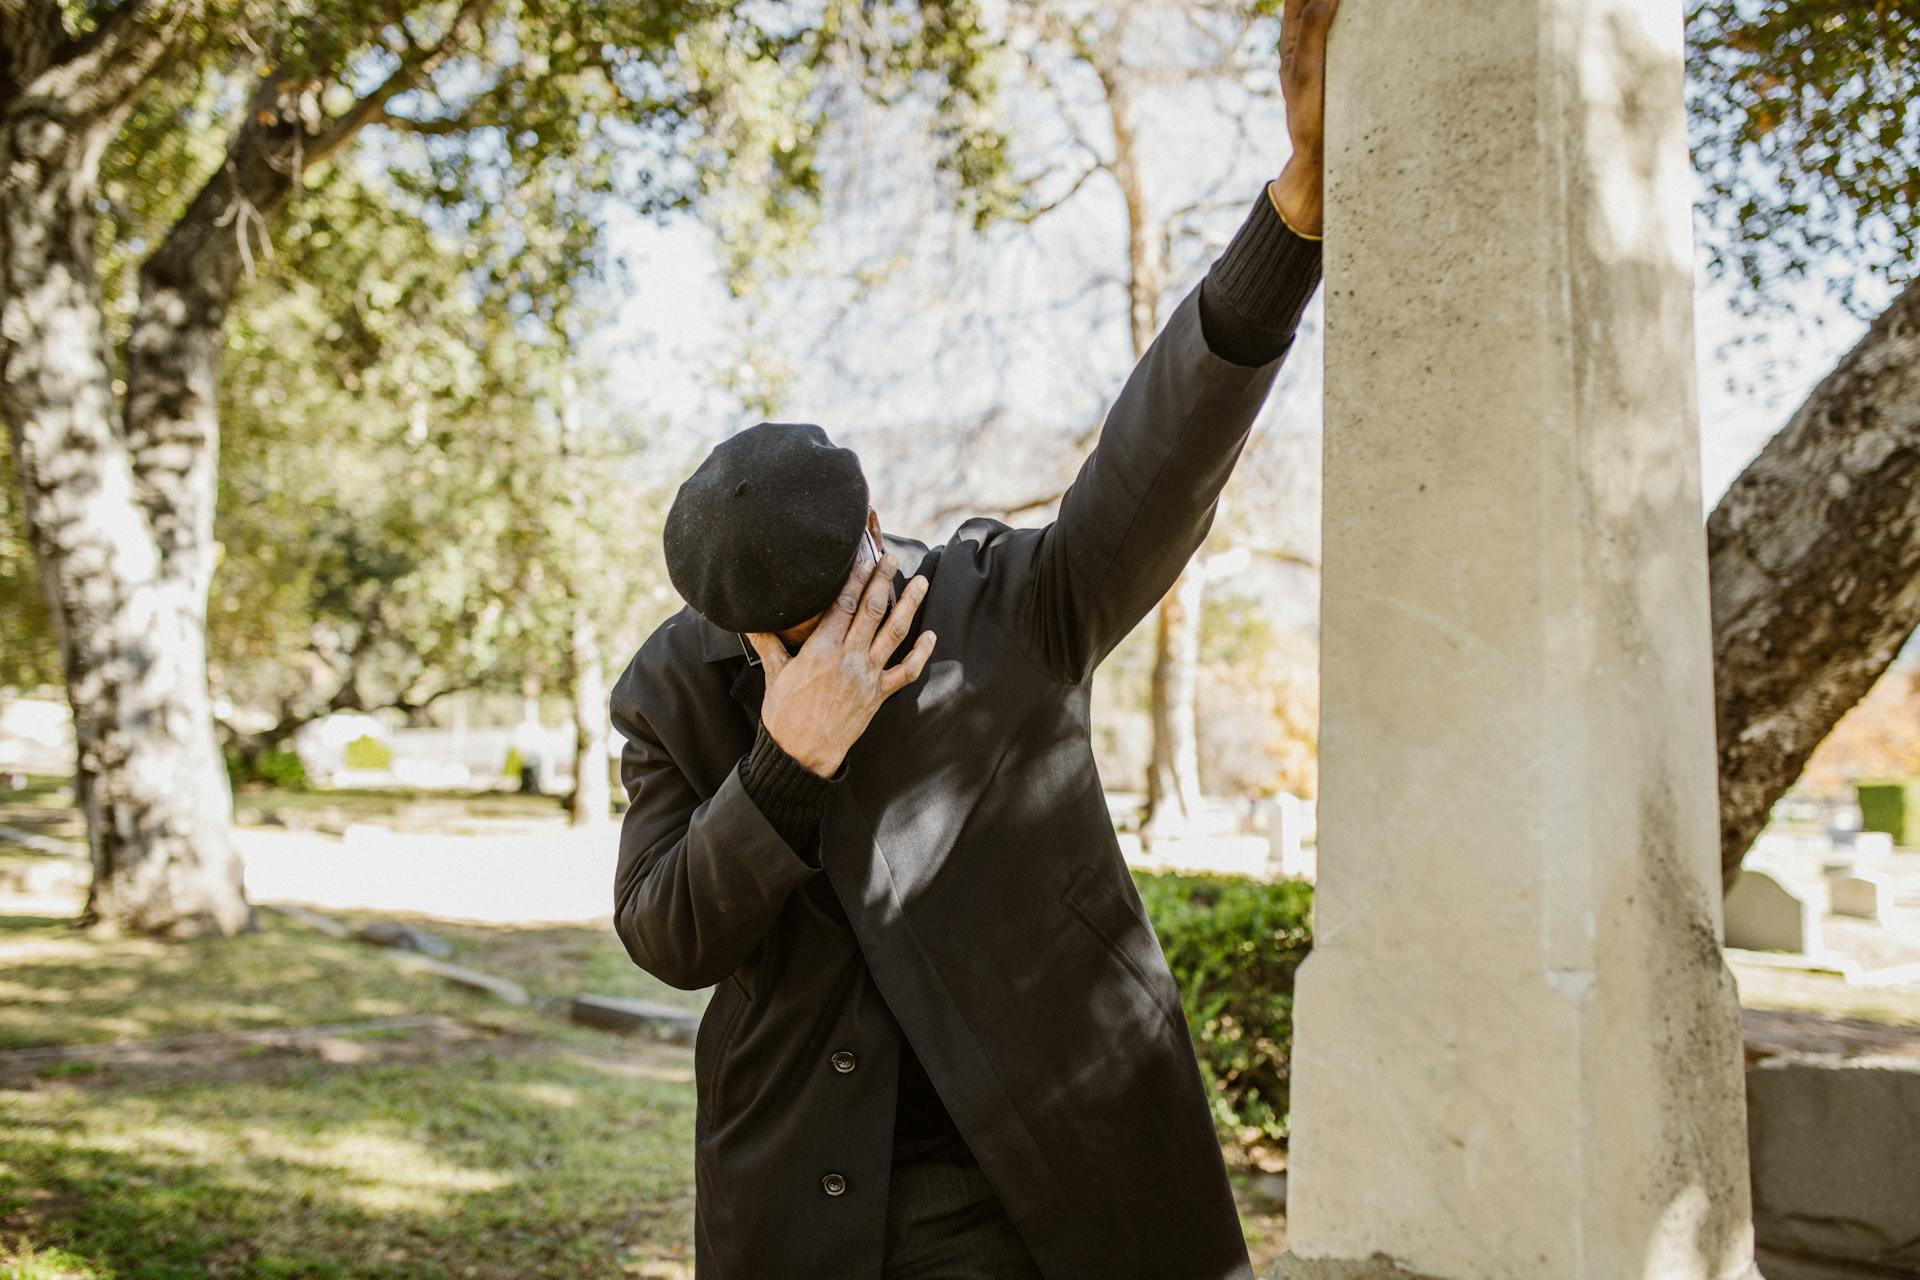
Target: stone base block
[[1833, 1115]]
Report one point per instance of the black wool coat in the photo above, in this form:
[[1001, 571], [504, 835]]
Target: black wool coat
[[987, 913]]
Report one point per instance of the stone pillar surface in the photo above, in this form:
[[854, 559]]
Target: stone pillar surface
[[1518, 1052]]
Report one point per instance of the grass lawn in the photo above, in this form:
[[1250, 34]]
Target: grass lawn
[[45, 807], [523, 1147], [441, 811], [548, 960], [1794, 991], [540, 1157], [58, 986], [520, 1147], [479, 1140]]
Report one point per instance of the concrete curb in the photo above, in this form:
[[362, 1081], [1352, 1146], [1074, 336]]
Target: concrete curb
[[616, 1013], [501, 988], [42, 844]]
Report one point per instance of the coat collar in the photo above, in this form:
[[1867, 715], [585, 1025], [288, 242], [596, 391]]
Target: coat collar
[[717, 644]]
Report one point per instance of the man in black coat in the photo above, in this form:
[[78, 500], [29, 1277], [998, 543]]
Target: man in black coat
[[943, 1039]]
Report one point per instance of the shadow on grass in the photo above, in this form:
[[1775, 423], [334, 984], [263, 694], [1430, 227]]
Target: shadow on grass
[[59, 985], [561, 1163]]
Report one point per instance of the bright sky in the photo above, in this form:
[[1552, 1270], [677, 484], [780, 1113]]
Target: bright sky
[[911, 358], [1752, 372]]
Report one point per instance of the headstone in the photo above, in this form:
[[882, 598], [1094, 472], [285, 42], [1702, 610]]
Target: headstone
[[1286, 832], [1764, 914], [1513, 1057], [1868, 846], [1866, 894]]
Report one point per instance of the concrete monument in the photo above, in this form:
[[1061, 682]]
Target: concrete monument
[[1517, 1048]]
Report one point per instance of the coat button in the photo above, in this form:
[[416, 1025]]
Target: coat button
[[842, 1061], [833, 1184]]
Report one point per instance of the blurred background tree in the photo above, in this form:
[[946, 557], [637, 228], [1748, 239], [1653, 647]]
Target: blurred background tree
[[1806, 132], [1805, 137], [1104, 212], [1803, 119], [377, 232], [169, 144]]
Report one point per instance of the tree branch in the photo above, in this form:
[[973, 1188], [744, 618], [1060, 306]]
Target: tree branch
[[421, 63], [1038, 211], [104, 70]]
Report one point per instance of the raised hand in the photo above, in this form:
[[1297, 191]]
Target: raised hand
[[819, 701], [1299, 189]]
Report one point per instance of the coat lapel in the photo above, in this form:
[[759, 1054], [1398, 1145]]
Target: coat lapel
[[749, 687]]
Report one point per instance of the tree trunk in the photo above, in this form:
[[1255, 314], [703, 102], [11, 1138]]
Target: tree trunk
[[187, 287], [1173, 774], [592, 786], [148, 774], [1815, 562], [579, 561], [1173, 770]]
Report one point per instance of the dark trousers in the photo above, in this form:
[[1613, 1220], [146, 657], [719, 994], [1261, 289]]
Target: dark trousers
[[944, 1221]]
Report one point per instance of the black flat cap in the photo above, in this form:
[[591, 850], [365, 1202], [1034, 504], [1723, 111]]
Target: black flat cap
[[762, 534]]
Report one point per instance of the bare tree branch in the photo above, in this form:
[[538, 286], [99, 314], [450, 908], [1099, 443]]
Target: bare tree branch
[[1036, 211], [420, 63]]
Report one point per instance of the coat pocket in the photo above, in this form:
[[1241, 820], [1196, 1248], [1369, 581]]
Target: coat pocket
[[712, 1041], [1128, 937]]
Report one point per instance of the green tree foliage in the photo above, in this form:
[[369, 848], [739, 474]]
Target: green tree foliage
[[403, 511], [1806, 132], [377, 374], [359, 554]]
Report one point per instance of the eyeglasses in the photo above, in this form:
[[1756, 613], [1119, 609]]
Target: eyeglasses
[[873, 554]]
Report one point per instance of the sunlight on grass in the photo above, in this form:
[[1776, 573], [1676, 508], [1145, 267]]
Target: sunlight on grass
[[501, 1166], [522, 1147], [43, 949], [552, 1095], [1764, 987], [633, 1070], [382, 1172], [49, 1264], [71, 989], [154, 1137], [555, 960]]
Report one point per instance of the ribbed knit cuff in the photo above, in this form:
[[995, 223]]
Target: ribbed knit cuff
[[791, 795], [1257, 289]]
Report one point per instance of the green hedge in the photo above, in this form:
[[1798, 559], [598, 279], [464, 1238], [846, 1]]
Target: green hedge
[[1233, 944], [1891, 805], [280, 769]]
